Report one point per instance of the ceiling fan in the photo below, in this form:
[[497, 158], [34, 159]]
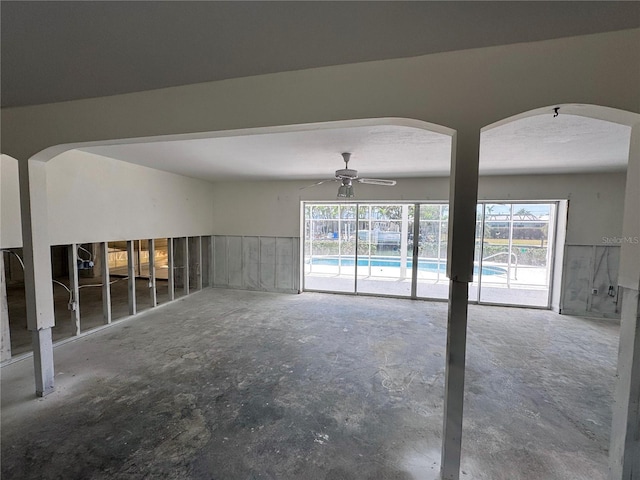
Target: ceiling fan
[[346, 176]]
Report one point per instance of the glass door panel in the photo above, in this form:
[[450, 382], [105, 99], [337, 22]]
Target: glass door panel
[[385, 249], [329, 247], [432, 279], [474, 287], [516, 256]]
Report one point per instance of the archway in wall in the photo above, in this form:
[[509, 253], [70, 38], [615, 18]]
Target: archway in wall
[[532, 167], [521, 220], [110, 199], [252, 229], [577, 161]]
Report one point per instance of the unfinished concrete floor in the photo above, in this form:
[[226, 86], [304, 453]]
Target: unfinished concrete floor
[[242, 385]]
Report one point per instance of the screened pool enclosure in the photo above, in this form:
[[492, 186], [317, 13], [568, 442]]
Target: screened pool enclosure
[[400, 249]]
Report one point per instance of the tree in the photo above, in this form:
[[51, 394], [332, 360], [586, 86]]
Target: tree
[[525, 214]]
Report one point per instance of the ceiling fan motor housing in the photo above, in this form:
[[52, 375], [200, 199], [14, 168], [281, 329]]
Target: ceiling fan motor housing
[[346, 173]]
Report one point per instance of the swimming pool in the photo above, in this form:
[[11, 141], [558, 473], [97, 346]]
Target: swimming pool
[[391, 262]]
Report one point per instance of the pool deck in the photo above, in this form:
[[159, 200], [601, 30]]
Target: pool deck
[[528, 289]]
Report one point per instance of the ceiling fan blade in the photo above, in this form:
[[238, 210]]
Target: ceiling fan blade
[[318, 183], [377, 181]]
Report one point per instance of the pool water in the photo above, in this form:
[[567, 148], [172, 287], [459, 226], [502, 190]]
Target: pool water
[[423, 265]]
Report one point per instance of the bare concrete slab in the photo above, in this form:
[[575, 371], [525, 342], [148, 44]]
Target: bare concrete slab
[[230, 384]]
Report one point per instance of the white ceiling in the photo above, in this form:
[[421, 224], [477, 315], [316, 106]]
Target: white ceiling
[[98, 48], [53, 51], [382, 151], [548, 144], [540, 144]]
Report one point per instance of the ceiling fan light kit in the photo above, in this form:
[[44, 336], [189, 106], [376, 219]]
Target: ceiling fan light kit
[[346, 189]]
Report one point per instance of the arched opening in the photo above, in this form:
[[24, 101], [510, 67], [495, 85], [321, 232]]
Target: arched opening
[[107, 201], [284, 160], [565, 166], [584, 158]]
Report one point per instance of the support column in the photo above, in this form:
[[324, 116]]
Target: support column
[[106, 285], [37, 271], [152, 273], [74, 287], [131, 271], [171, 270], [5, 332], [624, 450], [463, 193]]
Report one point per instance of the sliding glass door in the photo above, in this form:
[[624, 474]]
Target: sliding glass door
[[384, 249], [432, 281], [329, 247], [400, 249], [517, 253]]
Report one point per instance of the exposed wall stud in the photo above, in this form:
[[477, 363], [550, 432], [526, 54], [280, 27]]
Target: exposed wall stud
[[200, 271], [152, 272], [211, 260], [106, 286], [171, 270], [185, 262], [5, 332], [74, 296], [131, 272]]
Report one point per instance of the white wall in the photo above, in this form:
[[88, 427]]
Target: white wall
[[596, 201], [10, 226], [273, 208], [269, 264], [93, 198], [464, 90], [589, 272]]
